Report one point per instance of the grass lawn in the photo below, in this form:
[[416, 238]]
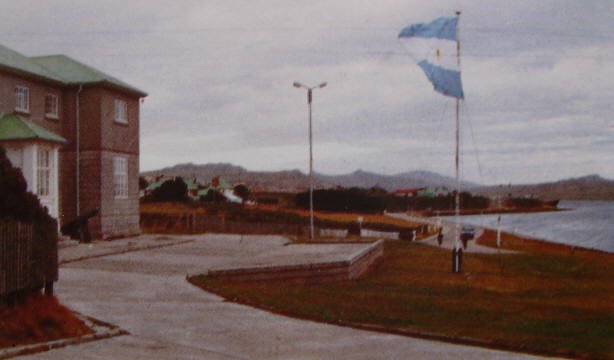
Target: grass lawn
[[40, 319], [549, 301]]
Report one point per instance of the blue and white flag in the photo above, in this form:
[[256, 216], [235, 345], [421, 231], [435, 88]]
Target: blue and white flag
[[441, 28], [435, 54], [445, 81]]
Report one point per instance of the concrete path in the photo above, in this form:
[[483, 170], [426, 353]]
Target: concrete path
[[145, 293]]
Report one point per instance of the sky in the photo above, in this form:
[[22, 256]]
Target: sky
[[538, 78]]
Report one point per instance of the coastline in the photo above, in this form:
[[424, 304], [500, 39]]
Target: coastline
[[582, 224], [494, 211]]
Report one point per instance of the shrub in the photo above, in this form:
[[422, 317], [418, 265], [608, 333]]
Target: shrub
[[18, 204], [174, 190], [213, 196], [353, 199]]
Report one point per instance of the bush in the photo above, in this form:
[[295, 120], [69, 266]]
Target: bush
[[242, 191], [341, 200], [170, 191], [18, 204], [214, 196]]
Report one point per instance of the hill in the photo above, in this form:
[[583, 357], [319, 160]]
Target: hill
[[591, 187], [295, 180]]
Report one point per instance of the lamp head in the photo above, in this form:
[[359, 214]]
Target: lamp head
[[296, 85], [322, 85]]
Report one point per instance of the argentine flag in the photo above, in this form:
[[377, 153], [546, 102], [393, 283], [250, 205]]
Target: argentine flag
[[433, 46]]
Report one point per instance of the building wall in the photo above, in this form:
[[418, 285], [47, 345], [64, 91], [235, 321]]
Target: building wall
[[119, 215], [101, 138], [38, 90]]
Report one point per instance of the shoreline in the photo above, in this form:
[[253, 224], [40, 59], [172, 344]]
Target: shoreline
[[469, 212], [543, 241]]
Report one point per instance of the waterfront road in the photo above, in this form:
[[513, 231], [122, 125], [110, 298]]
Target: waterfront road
[[145, 293]]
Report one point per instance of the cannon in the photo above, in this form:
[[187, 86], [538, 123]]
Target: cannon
[[77, 228]]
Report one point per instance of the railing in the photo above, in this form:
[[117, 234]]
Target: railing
[[27, 263]]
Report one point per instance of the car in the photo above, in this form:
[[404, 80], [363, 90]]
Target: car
[[467, 233]]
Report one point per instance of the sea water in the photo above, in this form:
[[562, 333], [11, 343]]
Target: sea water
[[587, 224]]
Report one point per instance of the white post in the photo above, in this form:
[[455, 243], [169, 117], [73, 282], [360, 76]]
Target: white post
[[499, 231], [457, 252], [311, 222], [309, 97]]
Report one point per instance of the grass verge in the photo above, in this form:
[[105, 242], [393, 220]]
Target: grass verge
[[39, 319], [552, 303]]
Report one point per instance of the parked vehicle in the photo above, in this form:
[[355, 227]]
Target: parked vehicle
[[467, 233]]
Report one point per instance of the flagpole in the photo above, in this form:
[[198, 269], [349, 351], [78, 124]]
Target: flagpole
[[457, 255]]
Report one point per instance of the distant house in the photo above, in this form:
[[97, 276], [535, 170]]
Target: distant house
[[222, 187], [74, 133]]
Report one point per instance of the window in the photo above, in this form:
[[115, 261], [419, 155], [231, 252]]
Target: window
[[43, 172], [121, 111], [22, 99], [51, 106], [120, 177]]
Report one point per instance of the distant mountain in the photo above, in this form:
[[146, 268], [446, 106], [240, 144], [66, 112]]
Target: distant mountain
[[412, 179], [591, 187], [294, 180]]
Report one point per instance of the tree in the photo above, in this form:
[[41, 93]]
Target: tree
[[169, 191], [213, 196], [18, 204], [143, 183], [242, 191]]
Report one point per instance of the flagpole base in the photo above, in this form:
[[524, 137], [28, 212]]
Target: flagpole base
[[457, 260]]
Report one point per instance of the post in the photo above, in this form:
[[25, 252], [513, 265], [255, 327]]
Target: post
[[499, 231], [457, 253], [311, 223], [309, 98]]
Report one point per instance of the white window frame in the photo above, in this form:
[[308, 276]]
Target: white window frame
[[22, 99], [120, 177], [52, 111], [121, 111], [44, 164]]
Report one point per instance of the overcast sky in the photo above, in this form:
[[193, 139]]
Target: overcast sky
[[538, 79]]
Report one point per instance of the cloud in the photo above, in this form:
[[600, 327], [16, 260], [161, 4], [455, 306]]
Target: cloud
[[538, 79]]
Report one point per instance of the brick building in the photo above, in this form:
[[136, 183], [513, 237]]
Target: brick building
[[74, 133]]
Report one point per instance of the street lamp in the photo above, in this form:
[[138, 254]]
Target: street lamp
[[309, 96]]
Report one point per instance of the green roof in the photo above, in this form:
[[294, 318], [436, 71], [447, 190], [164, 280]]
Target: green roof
[[74, 72], [16, 61], [60, 68], [13, 127]]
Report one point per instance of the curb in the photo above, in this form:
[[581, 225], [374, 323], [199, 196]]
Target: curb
[[124, 251], [102, 330], [492, 345]]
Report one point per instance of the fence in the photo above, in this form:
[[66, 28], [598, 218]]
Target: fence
[[197, 224], [27, 263]]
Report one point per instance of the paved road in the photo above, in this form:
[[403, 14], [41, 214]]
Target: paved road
[[449, 232], [145, 293]]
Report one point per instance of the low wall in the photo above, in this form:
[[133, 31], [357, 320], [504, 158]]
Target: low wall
[[354, 267]]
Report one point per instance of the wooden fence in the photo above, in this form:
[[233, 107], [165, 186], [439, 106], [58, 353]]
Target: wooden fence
[[27, 263]]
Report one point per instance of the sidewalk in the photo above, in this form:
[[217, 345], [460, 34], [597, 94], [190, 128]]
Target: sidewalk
[[71, 251], [145, 293]]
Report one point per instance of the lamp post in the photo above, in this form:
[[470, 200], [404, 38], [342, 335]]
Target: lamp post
[[309, 96]]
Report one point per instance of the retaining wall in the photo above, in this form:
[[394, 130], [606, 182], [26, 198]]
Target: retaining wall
[[355, 266]]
